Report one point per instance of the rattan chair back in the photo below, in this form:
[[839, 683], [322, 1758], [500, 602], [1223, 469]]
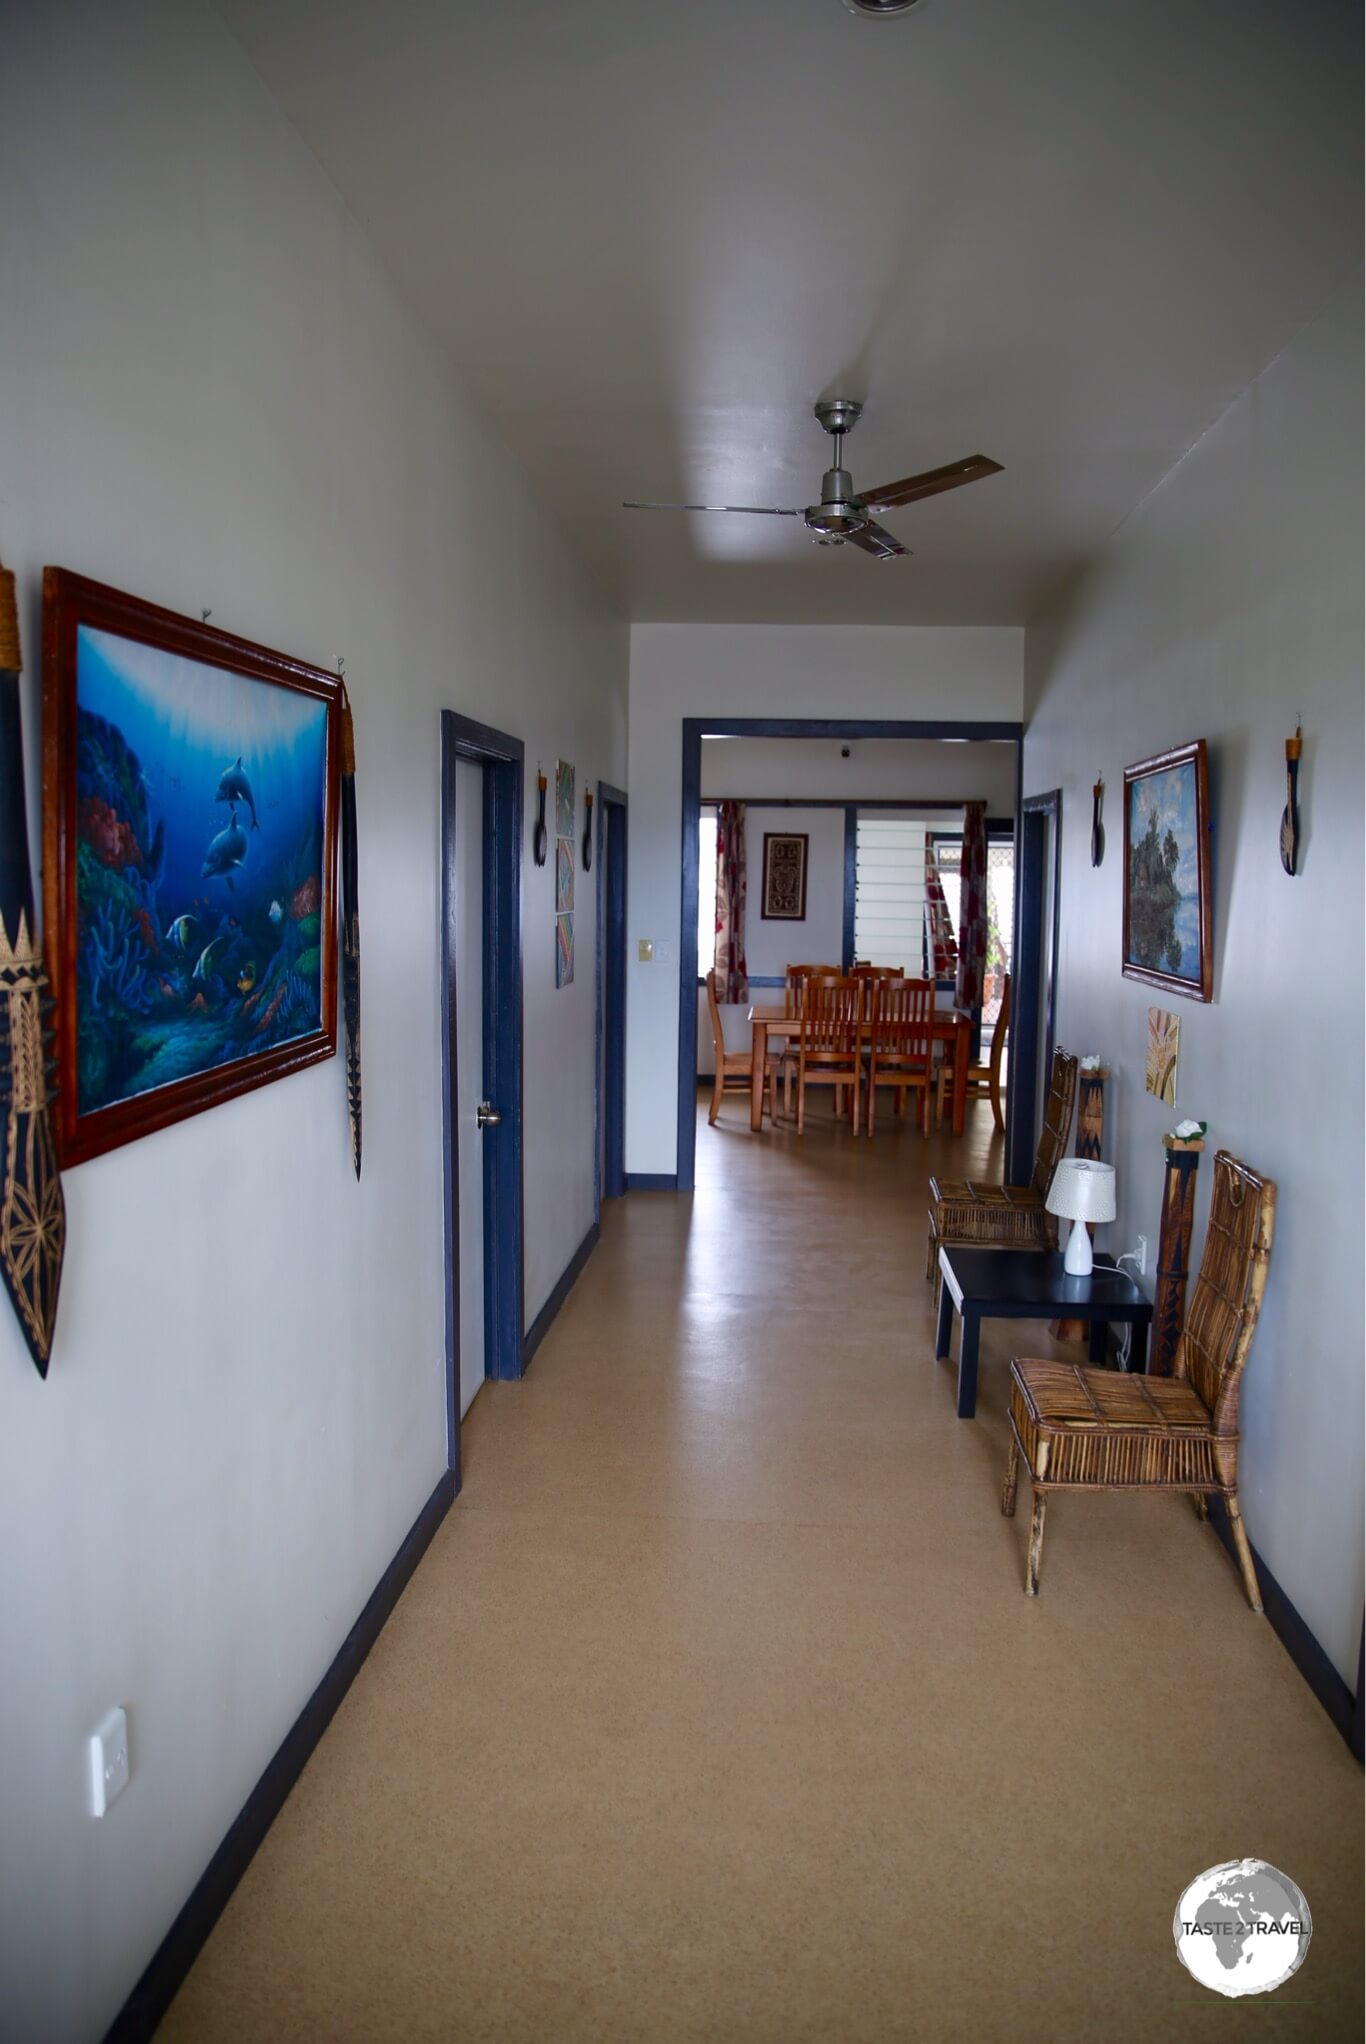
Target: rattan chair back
[[1221, 1315], [1057, 1120]]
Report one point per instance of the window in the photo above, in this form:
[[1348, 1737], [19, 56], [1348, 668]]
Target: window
[[706, 892], [889, 891]]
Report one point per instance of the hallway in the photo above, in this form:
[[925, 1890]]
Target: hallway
[[716, 1711]]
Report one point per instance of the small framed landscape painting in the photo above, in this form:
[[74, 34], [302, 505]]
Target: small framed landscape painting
[[1167, 938], [784, 891], [190, 789]]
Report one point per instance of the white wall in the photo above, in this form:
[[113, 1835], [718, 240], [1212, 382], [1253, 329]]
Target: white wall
[[210, 395], [819, 671], [770, 947], [1228, 604], [877, 770]]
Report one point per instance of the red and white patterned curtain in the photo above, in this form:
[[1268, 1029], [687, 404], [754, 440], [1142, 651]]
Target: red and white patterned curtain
[[943, 946], [731, 981], [972, 907]]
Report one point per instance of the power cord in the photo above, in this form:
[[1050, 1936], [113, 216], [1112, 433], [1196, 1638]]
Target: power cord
[[1129, 1256]]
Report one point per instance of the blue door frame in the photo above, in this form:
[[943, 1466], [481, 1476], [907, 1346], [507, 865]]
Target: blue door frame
[[694, 729], [501, 757], [609, 1105], [1033, 1003]]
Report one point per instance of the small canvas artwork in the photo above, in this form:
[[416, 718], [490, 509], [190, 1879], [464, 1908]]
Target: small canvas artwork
[[564, 951], [1167, 939], [784, 890], [564, 799], [190, 844], [564, 874], [1164, 1043]]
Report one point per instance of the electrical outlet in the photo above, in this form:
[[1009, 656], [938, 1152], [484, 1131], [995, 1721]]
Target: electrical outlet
[[1141, 1255], [108, 1751]]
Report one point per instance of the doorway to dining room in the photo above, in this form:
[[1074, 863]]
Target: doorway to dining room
[[873, 813]]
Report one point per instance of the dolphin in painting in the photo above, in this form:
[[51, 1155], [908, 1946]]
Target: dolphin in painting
[[227, 850], [233, 786]]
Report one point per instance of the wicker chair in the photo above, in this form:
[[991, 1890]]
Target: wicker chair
[[1007, 1216], [1089, 1429]]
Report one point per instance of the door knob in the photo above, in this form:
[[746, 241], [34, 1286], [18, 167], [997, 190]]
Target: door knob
[[486, 1116]]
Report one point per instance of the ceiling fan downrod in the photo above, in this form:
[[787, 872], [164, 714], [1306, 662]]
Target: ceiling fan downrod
[[839, 514]]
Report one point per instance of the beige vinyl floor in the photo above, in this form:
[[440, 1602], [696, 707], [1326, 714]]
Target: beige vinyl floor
[[716, 1711]]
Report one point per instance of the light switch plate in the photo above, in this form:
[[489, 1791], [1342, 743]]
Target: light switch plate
[[108, 1751], [645, 950], [664, 950]]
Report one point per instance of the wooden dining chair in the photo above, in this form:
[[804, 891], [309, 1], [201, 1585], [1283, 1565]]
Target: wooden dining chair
[[1082, 1428], [984, 1081], [900, 1047], [830, 1047], [734, 1068], [990, 1216], [794, 981]]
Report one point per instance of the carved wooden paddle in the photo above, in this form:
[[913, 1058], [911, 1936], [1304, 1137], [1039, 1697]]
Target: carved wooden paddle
[[1290, 816]]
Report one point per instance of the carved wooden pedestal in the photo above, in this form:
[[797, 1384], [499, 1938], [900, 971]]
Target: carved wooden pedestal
[[1090, 1128], [1173, 1250]]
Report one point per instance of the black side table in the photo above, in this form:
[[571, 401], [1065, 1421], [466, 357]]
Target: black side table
[[1023, 1284]]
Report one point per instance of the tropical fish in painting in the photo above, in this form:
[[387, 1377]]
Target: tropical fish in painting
[[205, 964], [277, 914], [246, 978], [227, 850], [233, 786], [179, 932]]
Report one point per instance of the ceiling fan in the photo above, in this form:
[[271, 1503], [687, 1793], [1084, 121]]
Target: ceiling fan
[[841, 515]]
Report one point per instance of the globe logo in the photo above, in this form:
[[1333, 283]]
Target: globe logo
[[1242, 1928]]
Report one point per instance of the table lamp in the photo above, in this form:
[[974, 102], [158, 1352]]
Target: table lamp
[[1081, 1191]]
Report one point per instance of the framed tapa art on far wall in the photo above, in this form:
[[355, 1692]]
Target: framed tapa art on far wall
[[783, 898], [1167, 935], [190, 798]]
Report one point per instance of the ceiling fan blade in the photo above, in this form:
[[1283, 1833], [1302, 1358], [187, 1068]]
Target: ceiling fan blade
[[877, 541], [889, 495], [751, 510]]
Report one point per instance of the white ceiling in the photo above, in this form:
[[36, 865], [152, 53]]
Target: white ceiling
[[1063, 233]]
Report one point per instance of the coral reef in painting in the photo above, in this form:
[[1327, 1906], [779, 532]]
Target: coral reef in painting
[[193, 960]]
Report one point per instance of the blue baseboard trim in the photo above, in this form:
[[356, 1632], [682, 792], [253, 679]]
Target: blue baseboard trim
[[540, 1326], [1298, 1641], [178, 1950], [655, 1181]]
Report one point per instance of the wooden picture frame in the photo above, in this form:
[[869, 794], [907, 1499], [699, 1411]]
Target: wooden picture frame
[[1168, 940], [190, 805], [783, 896]]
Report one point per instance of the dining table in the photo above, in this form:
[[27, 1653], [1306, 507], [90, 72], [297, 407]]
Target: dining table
[[777, 1024]]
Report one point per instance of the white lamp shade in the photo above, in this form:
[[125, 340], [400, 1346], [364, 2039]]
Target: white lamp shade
[[1082, 1191]]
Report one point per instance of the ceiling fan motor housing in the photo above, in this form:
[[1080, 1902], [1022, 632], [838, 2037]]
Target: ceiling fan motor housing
[[839, 512]]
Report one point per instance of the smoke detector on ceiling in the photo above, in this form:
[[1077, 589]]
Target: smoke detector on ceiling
[[879, 8]]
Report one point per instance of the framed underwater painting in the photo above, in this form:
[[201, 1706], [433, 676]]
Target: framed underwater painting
[[190, 796], [1167, 934]]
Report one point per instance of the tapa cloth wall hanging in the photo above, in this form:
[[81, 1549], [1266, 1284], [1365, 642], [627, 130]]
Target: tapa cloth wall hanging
[[32, 1210]]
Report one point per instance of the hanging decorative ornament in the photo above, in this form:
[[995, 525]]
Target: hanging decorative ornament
[[32, 1210], [1290, 817], [587, 831], [350, 907], [538, 836], [1097, 827]]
